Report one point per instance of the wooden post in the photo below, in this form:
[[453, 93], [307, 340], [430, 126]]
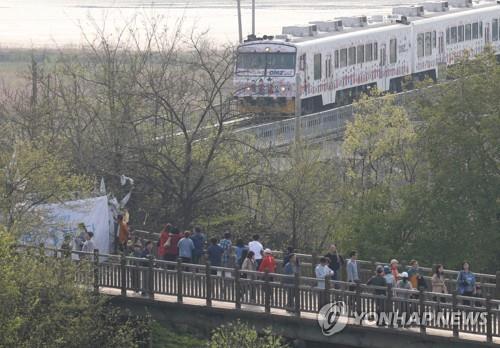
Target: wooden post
[[96, 271], [296, 293], [237, 287], [358, 298], [454, 302], [421, 299], [388, 304], [179, 280], [489, 321], [267, 293], [208, 284], [151, 285], [497, 276]]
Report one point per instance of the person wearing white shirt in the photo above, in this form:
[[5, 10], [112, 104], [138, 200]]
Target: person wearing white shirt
[[89, 245], [257, 249], [322, 271]]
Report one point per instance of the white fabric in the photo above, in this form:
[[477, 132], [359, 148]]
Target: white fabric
[[256, 247], [63, 219]]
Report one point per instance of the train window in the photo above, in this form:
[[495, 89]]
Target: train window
[[336, 58], [475, 30], [468, 32], [494, 29], [480, 29], [460, 33], [428, 44], [343, 57], [361, 54], [375, 51], [317, 66], [420, 45], [434, 43], [328, 66], [302, 62], [393, 54], [352, 55], [447, 36], [453, 31], [441, 44], [369, 52]]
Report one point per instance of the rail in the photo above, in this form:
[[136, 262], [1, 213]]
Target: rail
[[489, 284], [296, 294], [331, 123]]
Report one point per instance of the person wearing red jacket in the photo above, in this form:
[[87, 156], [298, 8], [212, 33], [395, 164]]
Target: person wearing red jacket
[[268, 263], [163, 239]]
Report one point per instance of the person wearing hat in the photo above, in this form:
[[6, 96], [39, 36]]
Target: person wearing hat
[[379, 280], [389, 278], [268, 263], [404, 283]]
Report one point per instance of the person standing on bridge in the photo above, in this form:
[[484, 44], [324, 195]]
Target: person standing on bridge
[[322, 271], [335, 261], [268, 264], [227, 246], [171, 249], [291, 269], [214, 254], [123, 234], [241, 252], [163, 239], [466, 282], [249, 264], [352, 269], [257, 249], [186, 248], [379, 281], [198, 239], [88, 246], [438, 282]]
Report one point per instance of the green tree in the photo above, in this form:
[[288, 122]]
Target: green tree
[[241, 335], [42, 306]]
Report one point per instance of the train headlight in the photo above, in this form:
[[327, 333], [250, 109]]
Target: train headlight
[[283, 89], [267, 49]]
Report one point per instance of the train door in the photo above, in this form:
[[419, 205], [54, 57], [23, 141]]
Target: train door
[[383, 66], [441, 54]]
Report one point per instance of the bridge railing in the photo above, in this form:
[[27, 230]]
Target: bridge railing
[[325, 123], [271, 291]]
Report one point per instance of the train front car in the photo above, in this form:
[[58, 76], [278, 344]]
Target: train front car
[[264, 79]]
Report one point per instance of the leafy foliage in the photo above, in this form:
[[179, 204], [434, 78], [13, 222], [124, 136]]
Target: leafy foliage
[[240, 335]]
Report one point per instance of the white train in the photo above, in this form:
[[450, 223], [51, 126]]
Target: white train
[[339, 59]]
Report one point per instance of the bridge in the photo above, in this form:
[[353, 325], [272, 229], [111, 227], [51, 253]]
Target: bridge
[[206, 296], [330, 123]]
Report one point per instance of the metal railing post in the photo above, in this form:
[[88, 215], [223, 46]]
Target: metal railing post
[[296, 286], [489, 320], [123, 274], [237, 287], [267, 293], [497, 276], [358, 298], [96, 271], [388, 304], [151, 285], [179, 280], [324, 294], [421, 300], [454, 303], [208, 284]]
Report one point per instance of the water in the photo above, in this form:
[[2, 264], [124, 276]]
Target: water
[[45, 23]]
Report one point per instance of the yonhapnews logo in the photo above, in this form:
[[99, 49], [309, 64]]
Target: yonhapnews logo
[[332, 318]]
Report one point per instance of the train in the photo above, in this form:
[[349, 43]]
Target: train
[[326, 64]]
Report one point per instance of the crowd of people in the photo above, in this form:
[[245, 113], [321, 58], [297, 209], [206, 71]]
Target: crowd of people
[[192, 247]]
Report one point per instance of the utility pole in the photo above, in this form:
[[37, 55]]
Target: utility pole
[[240, 29], [253, 17], [298, 106]]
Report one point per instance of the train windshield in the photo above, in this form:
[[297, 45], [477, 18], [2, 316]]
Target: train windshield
[[265, 63]]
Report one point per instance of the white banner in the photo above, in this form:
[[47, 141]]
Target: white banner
[[63, 219]]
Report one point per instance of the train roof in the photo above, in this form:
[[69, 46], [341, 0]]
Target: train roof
[[375, 24]]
